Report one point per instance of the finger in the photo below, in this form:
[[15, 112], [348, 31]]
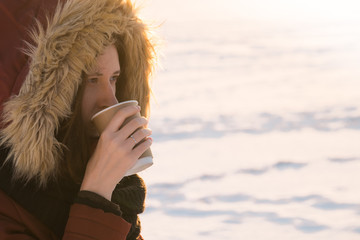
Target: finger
[[138, 136], [134, 124], [141, 148], [120, 117]]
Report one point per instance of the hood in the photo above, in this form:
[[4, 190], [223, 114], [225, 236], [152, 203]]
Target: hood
[[75, 33]]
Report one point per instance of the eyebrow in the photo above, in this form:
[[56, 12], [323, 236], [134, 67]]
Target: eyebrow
[[100, 74]]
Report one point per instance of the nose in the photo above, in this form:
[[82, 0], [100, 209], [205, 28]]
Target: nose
[[107, 96]]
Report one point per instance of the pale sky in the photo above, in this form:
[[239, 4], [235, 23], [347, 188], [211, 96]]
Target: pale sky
[[282, 10]]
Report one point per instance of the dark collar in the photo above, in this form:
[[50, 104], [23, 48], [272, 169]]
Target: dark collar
[[50, 205]]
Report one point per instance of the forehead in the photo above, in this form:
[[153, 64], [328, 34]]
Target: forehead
[[107, 61]]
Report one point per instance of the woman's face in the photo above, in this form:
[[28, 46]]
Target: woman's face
[[100, 87]]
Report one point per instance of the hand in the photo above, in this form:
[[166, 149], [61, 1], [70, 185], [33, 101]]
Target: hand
[[115, 154]]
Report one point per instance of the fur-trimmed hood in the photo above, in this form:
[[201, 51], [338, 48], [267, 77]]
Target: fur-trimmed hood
[[74, 35]]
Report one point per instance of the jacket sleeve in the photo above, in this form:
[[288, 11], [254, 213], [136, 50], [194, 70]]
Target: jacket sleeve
[[91, 223]]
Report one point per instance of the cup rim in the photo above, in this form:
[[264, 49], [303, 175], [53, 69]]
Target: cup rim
[[108, 108]]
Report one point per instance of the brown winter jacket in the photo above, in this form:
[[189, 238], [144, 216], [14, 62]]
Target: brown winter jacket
[[45, 47], [84, 223]]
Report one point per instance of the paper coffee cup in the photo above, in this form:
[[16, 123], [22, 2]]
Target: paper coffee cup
[[102, 119]]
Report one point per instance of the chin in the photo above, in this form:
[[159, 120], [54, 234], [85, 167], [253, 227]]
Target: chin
[[91, 131], [94, 134]]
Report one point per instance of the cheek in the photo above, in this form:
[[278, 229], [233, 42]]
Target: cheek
[[87, 105]]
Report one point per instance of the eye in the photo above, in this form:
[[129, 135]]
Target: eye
[[114, 78], [92, 80]]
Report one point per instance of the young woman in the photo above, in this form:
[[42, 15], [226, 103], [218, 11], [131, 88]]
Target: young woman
[[61, 62]]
